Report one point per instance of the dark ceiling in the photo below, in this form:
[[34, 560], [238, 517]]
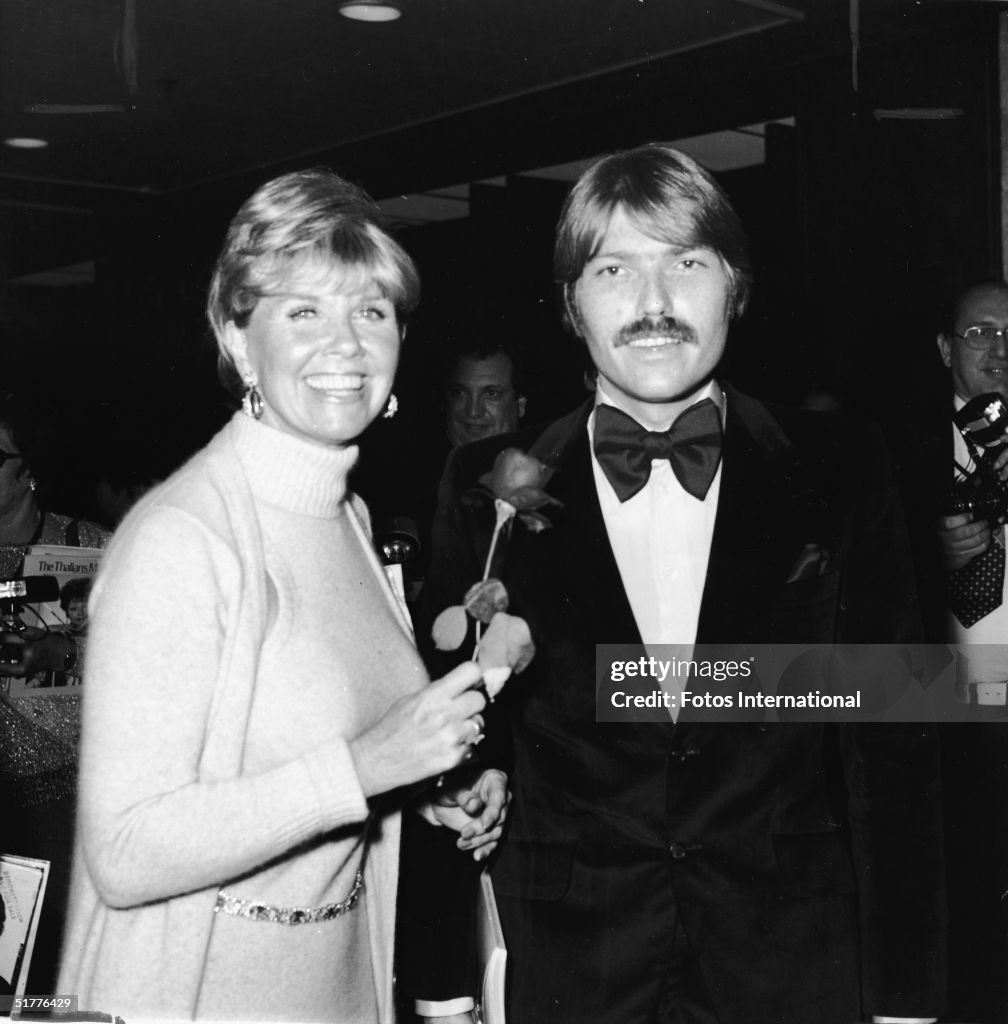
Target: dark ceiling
[[210, 90], [189, 104], [161, 116]]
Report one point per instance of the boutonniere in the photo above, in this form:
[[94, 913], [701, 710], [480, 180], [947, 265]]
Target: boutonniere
[[516, 483]]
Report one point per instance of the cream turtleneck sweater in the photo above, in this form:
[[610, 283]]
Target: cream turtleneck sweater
[[291, 829]]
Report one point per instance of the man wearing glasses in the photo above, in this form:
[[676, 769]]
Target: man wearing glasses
[[974, 347]]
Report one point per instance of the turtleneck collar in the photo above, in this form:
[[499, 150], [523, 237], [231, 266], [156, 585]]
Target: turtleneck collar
[[291, 472]]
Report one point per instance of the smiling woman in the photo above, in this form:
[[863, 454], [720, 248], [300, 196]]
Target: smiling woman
[[310, 293], [252, 682]]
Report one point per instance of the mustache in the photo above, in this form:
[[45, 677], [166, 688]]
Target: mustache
[[656, 327]]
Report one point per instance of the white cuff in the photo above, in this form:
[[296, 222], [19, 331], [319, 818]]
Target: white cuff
[[445, 1007], [904, 1020], [425, 808]]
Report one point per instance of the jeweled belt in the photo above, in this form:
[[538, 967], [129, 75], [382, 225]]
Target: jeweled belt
[[255, 910]]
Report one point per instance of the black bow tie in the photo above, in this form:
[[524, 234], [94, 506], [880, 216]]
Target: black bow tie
[[692, 445]]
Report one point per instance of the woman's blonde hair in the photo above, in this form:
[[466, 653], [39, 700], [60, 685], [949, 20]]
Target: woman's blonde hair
[[310, 218]]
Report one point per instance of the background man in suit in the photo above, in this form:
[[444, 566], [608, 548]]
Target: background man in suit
[[482, 393], [974, 347], [697, 872]]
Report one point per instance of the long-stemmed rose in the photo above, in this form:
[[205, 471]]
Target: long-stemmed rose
[[517, 484]]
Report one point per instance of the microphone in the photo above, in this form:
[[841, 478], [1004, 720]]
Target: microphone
[[397, 540]]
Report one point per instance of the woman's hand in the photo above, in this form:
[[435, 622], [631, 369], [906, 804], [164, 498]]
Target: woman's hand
[[422, 735], [476, 809]]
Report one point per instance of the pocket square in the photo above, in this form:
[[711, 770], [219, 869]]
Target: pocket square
[[812, 562]]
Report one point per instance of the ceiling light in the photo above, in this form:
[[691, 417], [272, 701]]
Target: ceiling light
[[919, 114], [370, 10], [25, 142], [74, 108]]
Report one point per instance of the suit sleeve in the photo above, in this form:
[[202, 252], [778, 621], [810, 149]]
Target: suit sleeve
[[439, 884], [892, 773]]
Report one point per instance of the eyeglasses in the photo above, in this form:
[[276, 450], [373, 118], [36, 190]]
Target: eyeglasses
[[982, 336], [4, 456]]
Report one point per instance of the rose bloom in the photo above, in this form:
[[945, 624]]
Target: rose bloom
[[519, 479]]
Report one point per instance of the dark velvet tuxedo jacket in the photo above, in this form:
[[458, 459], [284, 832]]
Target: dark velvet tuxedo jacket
[[803, 861]]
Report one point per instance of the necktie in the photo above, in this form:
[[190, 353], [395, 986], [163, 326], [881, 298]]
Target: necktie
[[976, 589], [692, 445]]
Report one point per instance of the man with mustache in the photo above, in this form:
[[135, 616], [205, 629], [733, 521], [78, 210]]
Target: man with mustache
[[696, 872]]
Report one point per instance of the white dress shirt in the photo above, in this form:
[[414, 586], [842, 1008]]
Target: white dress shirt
[[661, 539]]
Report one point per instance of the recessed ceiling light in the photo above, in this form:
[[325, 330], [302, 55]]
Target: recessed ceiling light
[[25, 142], [370, 10], [918, 114]]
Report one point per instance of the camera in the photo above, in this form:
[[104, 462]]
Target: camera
[[14, 594], [983, 422], [983, 498]]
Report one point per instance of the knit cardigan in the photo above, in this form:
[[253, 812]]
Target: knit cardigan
[[155, 951]]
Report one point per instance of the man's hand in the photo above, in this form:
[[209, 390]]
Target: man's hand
[[962, 539], [476, 809], [36, 650], [1001, 465]]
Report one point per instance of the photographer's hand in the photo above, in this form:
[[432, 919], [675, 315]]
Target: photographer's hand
[[1000, 465], [40, 651], [962, 539]]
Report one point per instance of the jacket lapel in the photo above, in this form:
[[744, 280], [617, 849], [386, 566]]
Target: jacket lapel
[[756, 523], [761, 514], [594, 585]]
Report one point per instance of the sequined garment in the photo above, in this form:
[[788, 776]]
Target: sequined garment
[[39, 735], [36, 764]]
